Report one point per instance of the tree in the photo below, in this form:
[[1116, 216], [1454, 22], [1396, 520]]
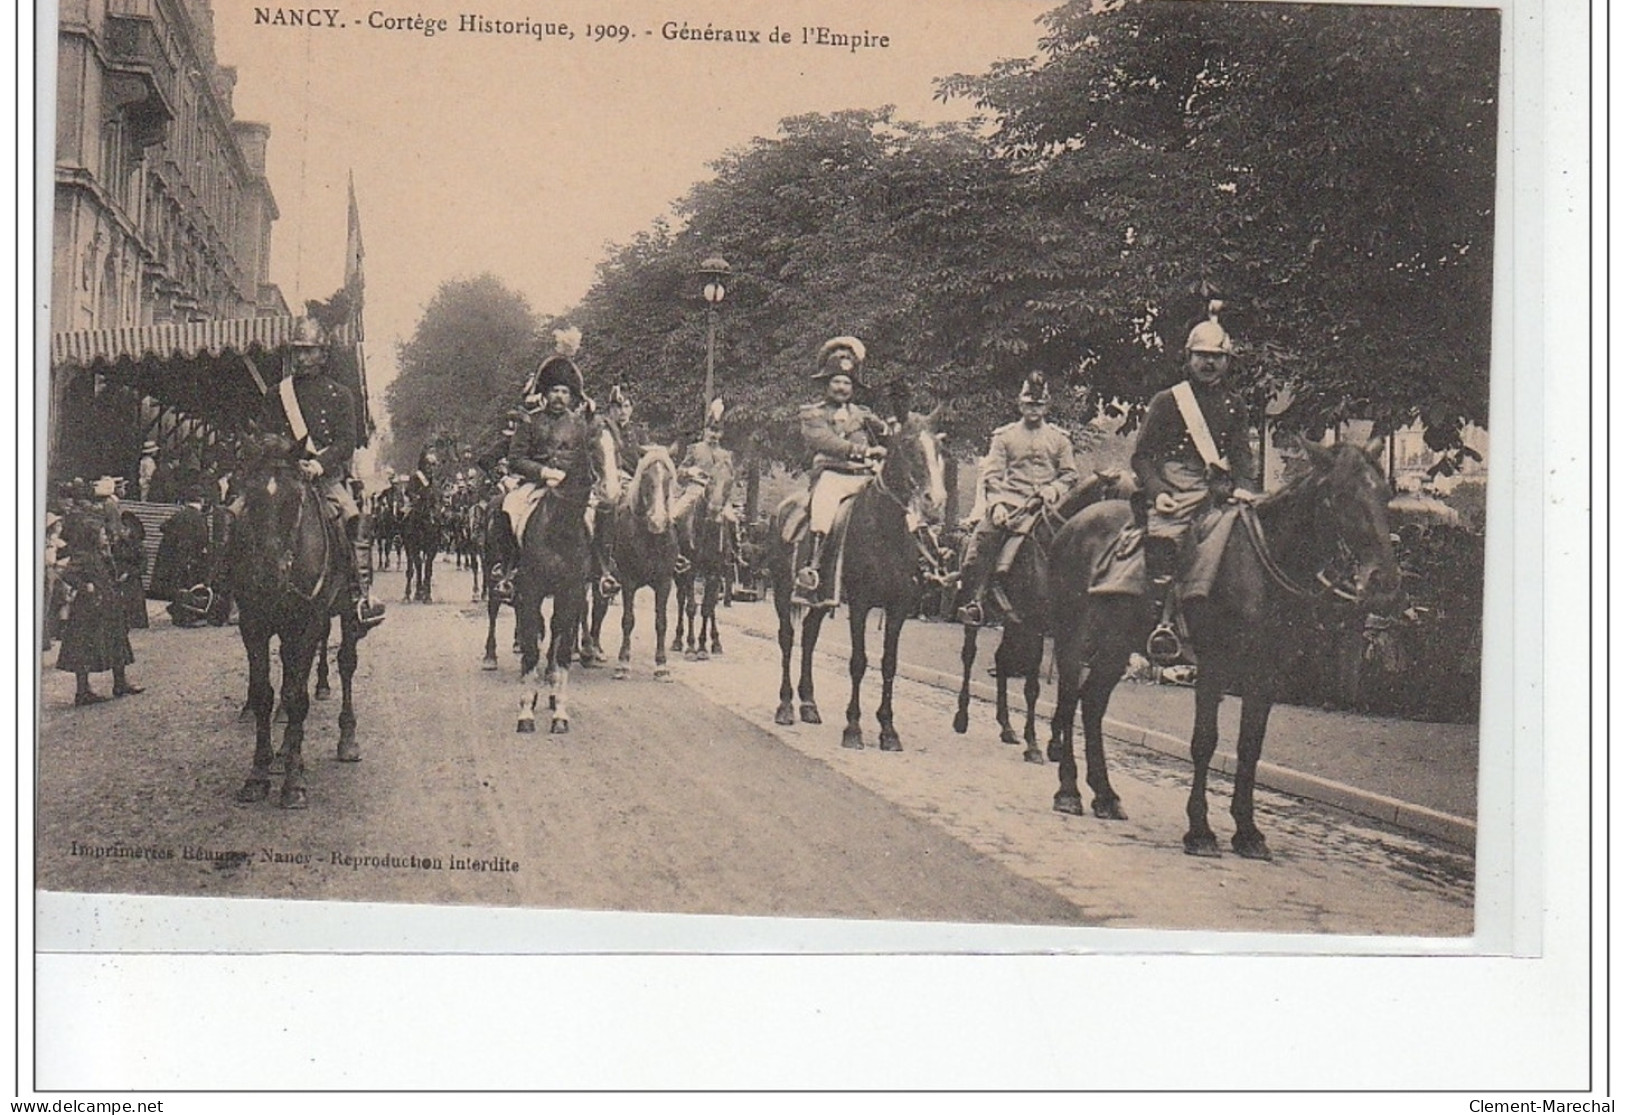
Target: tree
[[463, 366], [1327, 169]]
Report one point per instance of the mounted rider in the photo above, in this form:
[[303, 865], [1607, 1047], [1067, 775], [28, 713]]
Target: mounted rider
[[1193, 452], [1029, 467], [317, 413], [615, 419], [708, 471], [549, 452], [844, 439]]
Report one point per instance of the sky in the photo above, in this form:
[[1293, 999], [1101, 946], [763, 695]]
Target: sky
[[526, 156]]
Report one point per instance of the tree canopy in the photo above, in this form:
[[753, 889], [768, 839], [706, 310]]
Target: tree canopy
[[1325, 170], [463, 366]]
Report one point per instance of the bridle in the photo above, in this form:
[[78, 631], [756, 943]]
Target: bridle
[[1335, 579]]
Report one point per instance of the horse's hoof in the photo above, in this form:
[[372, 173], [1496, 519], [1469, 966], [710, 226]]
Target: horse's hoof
[[349, 751], [245, 714], [1033, 755], [716, 648], [809, 714], [323, 692], [1250, 847], [294, 797], [280, 716], [785, 715], [961, 721], [622, 673], [526, 726], [560, 726], [1054, 751], [1069, 803], [852, 738], [1108, 809], [1205, 845], [254, 790], [889, 741], [1008, 736], [701, 656], [489, 663], [662, 673]]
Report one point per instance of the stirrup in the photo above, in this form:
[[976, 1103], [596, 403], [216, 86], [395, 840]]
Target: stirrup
[[807, 579], [971, 614], [1163, 647], [369, 613], [608, 585], [1002, 602], [682, 566]]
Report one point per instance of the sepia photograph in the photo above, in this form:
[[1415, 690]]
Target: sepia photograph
[[1014, 464]]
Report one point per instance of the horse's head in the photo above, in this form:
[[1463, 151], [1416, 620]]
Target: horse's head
[[1347, 512], [654, 490], [914, 470]]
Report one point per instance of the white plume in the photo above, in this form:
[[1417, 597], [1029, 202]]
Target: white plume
[[567, 342]]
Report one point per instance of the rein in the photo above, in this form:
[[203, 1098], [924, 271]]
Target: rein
[[1282, 579], [929, 551]]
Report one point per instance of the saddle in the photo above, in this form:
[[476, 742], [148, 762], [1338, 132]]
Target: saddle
[[1120, 568], [794, 530]]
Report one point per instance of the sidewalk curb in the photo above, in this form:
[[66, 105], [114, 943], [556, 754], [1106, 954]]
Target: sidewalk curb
[[1459, 832]]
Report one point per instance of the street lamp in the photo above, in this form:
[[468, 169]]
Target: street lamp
[[714, 275]]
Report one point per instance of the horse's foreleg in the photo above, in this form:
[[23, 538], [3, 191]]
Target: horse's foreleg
[[261, 698], [787, 643], [492, 607], [1255, 715], [809, 642], [568, 627], [629, 620], [682, 598], [324, 688], [852, 734], [1096, 694], [896, 614], [1001, 678], [713, 591], [298, 654], [528, 634], [1068, 668], [662, 594], [967, 659], [1029, 691], [691, 605], [350, 638], [1199, 839]]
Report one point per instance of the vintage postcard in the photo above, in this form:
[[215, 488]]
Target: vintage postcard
[[816, 460]]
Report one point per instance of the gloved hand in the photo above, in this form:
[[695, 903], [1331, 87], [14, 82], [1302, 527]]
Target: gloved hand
[[1000, 514], [1244, 495], [310, 469], [1166, 503], [550, 476]]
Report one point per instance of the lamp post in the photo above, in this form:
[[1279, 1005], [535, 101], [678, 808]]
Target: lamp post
[[714, 275]]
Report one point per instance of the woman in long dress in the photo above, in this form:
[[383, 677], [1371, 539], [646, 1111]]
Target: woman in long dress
[[95, 636]]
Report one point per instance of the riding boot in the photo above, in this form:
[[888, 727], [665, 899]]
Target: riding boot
[[609, 581], [1163, 647], [975, 572], [368, 611], [996, 584], [808, 577], [502, 570]]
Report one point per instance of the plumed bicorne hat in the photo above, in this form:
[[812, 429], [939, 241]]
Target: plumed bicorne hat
[[559, 368]]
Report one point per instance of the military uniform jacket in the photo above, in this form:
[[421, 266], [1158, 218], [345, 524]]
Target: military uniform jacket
[[835, 435], [1022, 463], [329, 411], [544, 440], [718, 464], [1164, 437], [629, 441]]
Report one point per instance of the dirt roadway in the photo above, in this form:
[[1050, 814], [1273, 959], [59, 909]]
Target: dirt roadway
[[671, 797]]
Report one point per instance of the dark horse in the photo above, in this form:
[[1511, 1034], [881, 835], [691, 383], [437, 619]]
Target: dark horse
[[1320, 541], [709, 545], [1021, 642], [420, 537], [645, 554], [289, 574], [553, 558], [878, 570]]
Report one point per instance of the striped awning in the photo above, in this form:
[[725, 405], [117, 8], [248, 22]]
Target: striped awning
[[188, 341]]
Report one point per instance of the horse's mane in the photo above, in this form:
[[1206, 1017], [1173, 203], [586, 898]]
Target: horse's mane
[[650, 455]]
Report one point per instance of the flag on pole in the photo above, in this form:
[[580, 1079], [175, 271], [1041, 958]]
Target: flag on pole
[[354, 288], [354, 283]]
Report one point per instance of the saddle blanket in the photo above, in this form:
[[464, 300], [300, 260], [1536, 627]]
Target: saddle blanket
[[520, 503], [1120, 571]]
